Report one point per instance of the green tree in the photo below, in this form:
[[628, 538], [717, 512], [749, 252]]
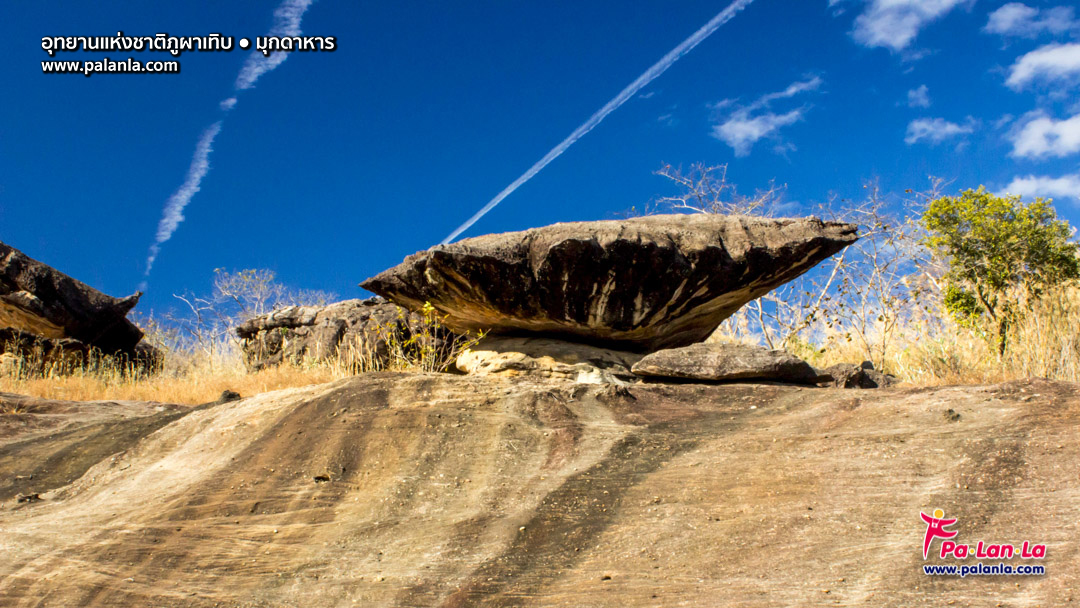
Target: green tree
[[997, 249]]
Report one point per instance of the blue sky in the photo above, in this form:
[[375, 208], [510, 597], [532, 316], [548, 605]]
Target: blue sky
[[336, 165]]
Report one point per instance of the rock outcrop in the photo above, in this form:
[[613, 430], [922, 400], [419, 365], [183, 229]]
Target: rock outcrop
[[354, 331], [640, 284], [547, 358], [718, 361], [39, 300]]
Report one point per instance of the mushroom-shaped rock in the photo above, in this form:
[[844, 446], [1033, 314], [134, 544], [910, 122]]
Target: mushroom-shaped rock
[[640, 284]]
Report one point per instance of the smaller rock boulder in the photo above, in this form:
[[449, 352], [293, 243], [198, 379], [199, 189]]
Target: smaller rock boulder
[[355, 332], [547, 358], [726, 361], [847, 375]]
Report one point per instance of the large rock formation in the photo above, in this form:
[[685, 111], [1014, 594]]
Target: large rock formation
[[40, 300], [355, 332], [414, 490], [641, 284]]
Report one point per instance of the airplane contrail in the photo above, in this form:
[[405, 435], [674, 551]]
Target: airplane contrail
[[651, 74], [287, 18], [174, 207]]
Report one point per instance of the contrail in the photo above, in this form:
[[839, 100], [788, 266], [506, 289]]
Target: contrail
[[174, 208], [287, 18], [651, 74]]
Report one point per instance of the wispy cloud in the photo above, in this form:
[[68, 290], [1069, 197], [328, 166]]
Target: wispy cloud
[[894, 24], [1020, 20], [1066, 186], [1051, 63], [287, 18], [742, 126], [935, 130], [174, 207], [919, 98], [228, 104], [1040, 136]]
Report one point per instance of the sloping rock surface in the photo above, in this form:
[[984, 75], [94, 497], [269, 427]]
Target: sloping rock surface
[[640, 284], [439, 490], [726, 361], [43, 301]]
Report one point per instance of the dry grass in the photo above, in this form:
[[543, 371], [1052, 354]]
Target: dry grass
[[930, 349], [193, 388], [195, 376]]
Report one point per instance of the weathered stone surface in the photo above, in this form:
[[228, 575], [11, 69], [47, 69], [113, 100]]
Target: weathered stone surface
[[43, 301], [726, 361], [639, 284], [848, 375], [354, 330], [547, 358], [457, 491]]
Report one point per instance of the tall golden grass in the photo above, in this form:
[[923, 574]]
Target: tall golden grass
[[931, 349]]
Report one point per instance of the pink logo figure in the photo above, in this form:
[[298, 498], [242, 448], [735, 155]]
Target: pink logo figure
[[935, 528]]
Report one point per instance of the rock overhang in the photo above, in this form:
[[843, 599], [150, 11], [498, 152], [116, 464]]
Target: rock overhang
[[641, 284]]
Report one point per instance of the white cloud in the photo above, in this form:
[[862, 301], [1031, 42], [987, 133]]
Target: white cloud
[[1041, 136], [935, 130], [742, 127], [287, 18], [1019, 19], [228, 104], [893, 24], [1050, 63], [1066, 186], [741, 131], [919, 98]]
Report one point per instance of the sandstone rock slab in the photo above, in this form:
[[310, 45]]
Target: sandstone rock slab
[[640, 284], [726, 361]]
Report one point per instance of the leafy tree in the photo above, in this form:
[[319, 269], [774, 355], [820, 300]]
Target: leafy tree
[[997, 249]]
